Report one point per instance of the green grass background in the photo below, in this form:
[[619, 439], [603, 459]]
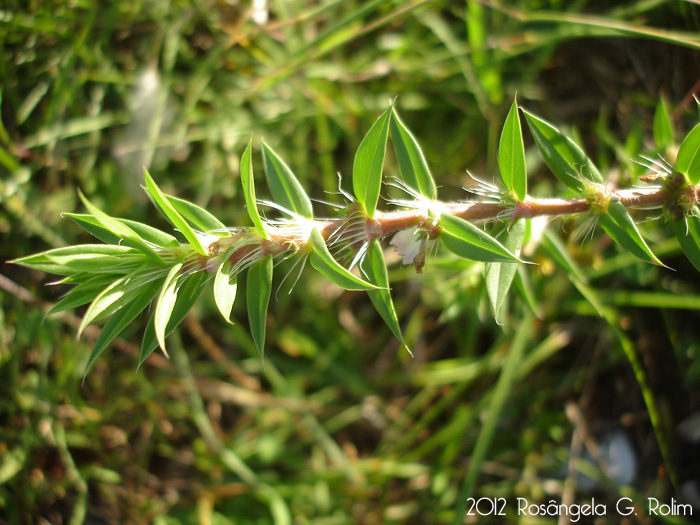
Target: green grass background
[[340, 425]]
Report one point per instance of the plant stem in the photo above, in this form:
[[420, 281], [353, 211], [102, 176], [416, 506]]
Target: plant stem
[[387, 222]]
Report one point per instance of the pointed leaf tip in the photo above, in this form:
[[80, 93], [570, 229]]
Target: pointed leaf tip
[[326, 265], [511, 155], [369, 163]]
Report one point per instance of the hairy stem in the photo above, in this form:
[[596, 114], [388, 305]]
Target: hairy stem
[[283, 239]]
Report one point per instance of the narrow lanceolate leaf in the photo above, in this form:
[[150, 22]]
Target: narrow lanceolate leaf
[[374, 268], [66, 260], [187, 294], [259, 288], [90, 224], [468, 241], [663, 131], [198, 217], [284, 186], [121, 230], [165, 304], [688, 160], [688, 235], [499, 276], [248, 182], [108, 301], [511, 155], [122, 318], [225, 286], [82, 294], [172, 214], [412, 164], [622, 229], [563, 156], [326, 265], [369, 163]]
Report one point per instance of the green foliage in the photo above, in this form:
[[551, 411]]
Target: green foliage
[[688, 161], [258, 299], [169, 211], [323, 261], [284, 186], [412, 164], [369, 164], [248, 182], [466, 240], [339, 424], [511, 155]]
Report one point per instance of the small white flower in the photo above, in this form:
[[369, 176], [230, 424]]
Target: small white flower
[[407, 244]]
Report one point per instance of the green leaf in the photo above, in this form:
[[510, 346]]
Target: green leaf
[[91, 263], [284, 186], [412, 164], [622, 229], [225, 286], [147, 233], [325, 264], [165, 304], [121, 319], [171, 213], [198, 217], [369, 162], [190, 289], [688, 235], [374, 268], [562, 155], [511, 155], [65, 261], [663, 132], [248, 182], [259, 288], [109, 300], [466, 240], [688, 160], [121, 230], [83, 293], [499, 276]]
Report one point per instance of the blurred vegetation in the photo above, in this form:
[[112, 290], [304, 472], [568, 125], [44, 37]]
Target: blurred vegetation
[[340, 425]]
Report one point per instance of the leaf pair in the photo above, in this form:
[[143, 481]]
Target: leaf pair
[[259, 288], [369, 161], [566, 160]]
